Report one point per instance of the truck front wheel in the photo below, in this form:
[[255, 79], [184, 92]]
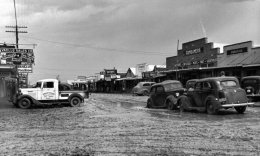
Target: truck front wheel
[[75, 101], [24, 103]]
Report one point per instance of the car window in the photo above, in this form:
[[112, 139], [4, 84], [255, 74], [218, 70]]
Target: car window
[[159, 89], [48, 85], [146, 84], [250, 81], [153, 90], [207, 85], [172, 86], [190, 84], [198, 85], [227, 83]]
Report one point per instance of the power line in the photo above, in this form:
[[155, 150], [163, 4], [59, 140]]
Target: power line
[[101, 48]]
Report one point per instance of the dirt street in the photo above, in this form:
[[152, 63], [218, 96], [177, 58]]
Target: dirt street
[[115, 124]]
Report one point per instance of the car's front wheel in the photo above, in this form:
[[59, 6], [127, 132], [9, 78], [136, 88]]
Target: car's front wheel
[[75, 101], [149, 103], [24, 103], [241, 109]]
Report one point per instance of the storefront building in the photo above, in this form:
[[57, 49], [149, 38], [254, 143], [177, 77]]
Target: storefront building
[[191, 59], [198, 59], [8, 77], [240, 59]]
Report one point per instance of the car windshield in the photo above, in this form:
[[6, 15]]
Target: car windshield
[[227, 83], [172, 86]]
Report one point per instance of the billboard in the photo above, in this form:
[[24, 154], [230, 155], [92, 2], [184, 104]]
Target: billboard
[[16, 56], [27, 68]]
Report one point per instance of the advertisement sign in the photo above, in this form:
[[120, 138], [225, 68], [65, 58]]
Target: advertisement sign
[[16, 56], [109, 72], [24, 68], [237, 51], [194, 51]]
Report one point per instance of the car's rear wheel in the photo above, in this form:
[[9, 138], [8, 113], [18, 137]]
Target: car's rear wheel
[[75, 101], [241, 109], [210, 108], [24, 103]]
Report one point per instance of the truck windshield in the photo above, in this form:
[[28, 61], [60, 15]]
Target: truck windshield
[[38, 85]]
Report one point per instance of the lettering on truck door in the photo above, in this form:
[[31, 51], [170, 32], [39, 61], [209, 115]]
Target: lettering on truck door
[[48, 91]]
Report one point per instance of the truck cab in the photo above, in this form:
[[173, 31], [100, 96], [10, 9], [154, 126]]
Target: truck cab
[[49, 91]]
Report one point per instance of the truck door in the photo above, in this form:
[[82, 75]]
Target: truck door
[[48, 91]]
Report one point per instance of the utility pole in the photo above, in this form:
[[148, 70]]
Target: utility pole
[[16, 27], [16, 31]]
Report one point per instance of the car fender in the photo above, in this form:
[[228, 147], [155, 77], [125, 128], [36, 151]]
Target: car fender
[[172, 99], [33, 100], [76, 95], [214, 100]]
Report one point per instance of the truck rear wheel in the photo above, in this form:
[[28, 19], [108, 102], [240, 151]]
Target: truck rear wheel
[[75, 101], [24, 103]]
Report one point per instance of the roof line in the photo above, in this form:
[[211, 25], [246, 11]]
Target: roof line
[[237, 43]]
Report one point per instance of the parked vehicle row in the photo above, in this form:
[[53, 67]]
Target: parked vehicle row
[[208, 95]]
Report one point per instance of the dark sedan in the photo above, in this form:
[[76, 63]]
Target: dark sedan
[[165, 94], [213, 94]]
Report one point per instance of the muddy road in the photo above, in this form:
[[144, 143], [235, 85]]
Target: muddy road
[[114, 124]]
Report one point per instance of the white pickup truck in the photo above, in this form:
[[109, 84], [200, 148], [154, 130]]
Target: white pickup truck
[[47, 92]]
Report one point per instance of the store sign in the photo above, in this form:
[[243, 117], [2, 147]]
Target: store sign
[[237, 51], [24, 68], [5, 74], [16, 56], [141, 67], [194, 51], [196, 62], [110, 72]]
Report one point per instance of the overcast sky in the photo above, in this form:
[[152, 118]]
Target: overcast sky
[[83, 37]]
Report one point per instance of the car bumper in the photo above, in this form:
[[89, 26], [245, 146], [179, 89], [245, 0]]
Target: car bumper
[[237, 105], [253, 95]]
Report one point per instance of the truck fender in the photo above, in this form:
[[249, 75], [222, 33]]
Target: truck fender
[[33, 100], [76, 95], [214, 100]]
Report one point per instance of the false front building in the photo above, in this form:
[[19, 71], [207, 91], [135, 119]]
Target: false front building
[[199, 59]]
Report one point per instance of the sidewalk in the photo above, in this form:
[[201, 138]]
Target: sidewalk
[[4, 103]]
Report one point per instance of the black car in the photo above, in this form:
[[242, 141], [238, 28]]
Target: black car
[[251, 84], [165, 94], [215, 93]]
